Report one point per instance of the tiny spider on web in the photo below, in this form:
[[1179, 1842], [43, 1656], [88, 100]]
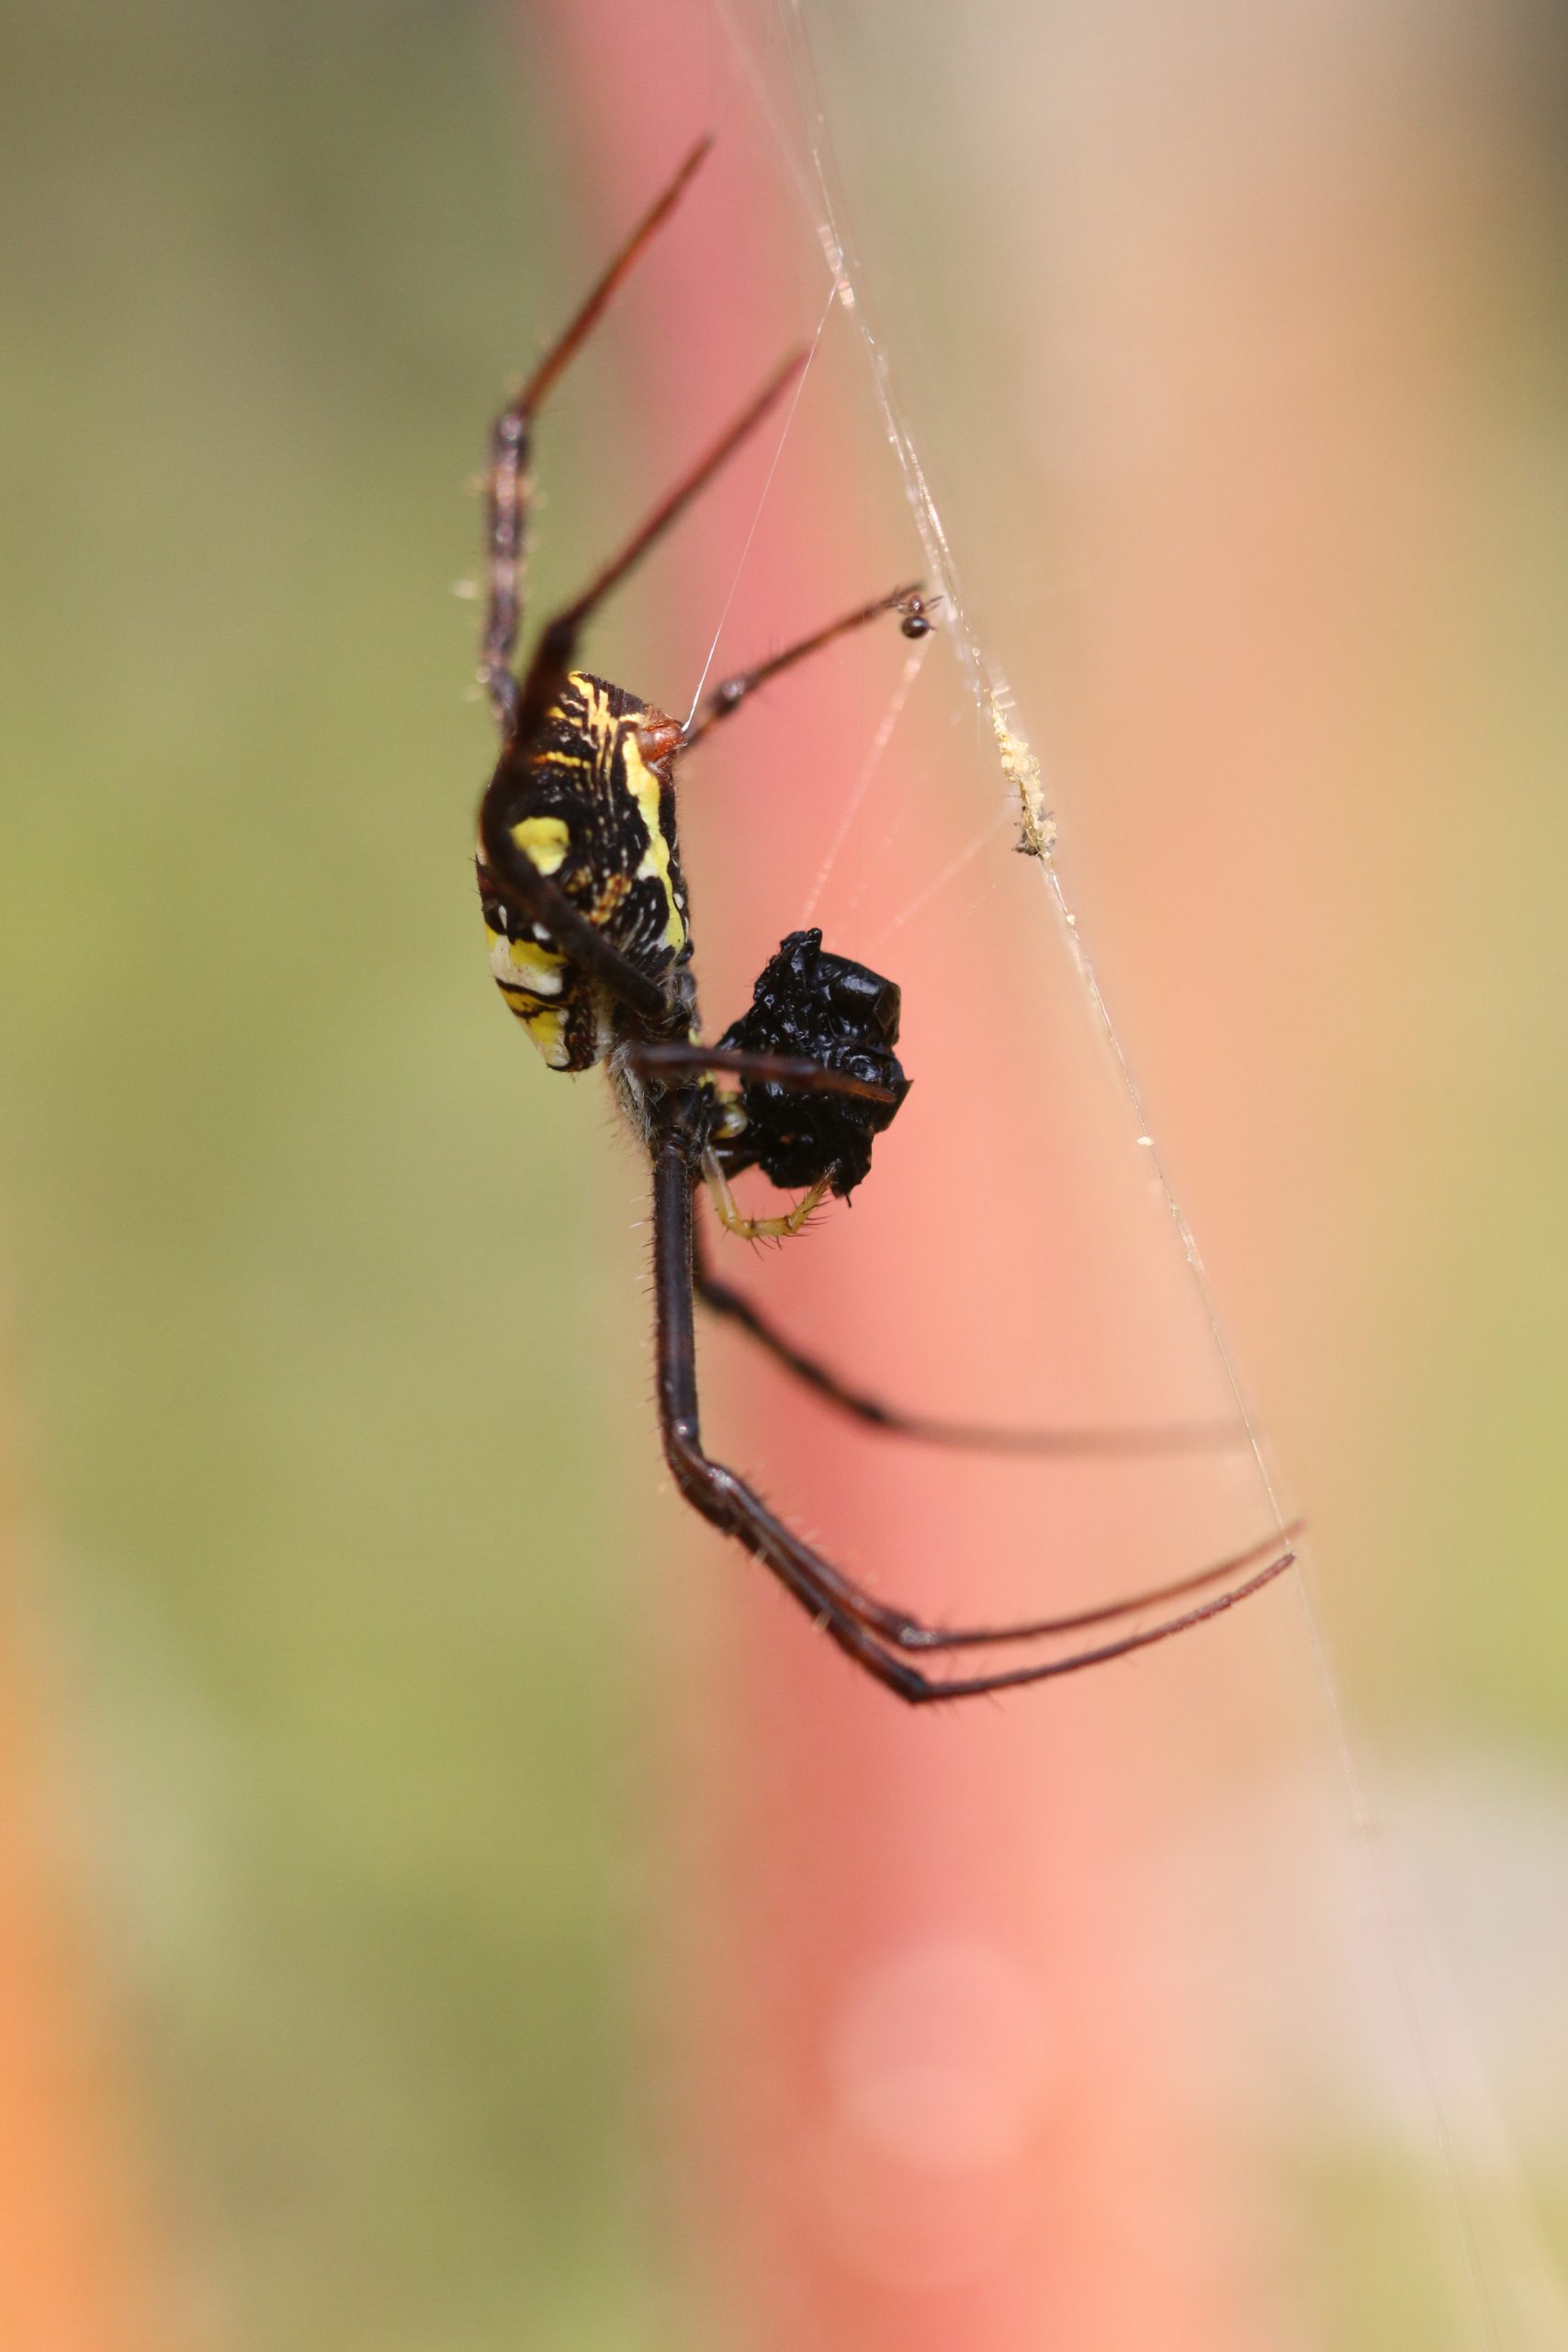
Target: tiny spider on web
[[591, 944]]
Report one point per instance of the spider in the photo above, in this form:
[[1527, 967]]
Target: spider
[[583, 899]]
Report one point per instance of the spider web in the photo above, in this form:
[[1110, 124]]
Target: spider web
[[1490, 2221]]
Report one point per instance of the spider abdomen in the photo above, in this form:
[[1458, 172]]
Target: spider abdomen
[[594, 810], [822, 1008]]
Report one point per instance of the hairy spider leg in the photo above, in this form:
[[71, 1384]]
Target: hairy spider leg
[[892, 1420], [668, 1057], [869, 1630], [730, 692], [780, 1228], [513, 872], [520, 707], [509, 480], [554, 654], [659, 1058]]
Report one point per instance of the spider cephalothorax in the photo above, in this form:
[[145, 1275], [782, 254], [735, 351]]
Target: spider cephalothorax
[[591, 943]]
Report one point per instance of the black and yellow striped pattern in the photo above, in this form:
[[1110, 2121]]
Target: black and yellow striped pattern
[[596, 814]]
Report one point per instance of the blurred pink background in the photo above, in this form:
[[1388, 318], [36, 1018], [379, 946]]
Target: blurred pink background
[[444, 1896]]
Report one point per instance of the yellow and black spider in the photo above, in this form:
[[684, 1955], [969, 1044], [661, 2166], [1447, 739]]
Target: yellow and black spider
[[591, 943]]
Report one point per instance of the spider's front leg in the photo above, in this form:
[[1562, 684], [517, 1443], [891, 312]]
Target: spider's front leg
[[525, 710], [914, 612], [508, 478]]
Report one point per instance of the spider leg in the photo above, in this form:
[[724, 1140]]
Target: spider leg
[[730, 692], [760, 1228], [807, 1077], [661, 1058], [869, 1630], [513, 872], [909, 1683], [665, 1058], [557, 648], [1182, 1437], [509, 483], [802, 1077]]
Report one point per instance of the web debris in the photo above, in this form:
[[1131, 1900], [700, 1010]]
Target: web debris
[[1037, 836], [1020, 763]]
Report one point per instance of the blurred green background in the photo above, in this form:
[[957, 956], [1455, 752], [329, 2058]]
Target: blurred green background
[[351, 1746], [350, 1739]]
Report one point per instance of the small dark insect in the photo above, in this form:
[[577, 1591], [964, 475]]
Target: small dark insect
[[591, 943], [814, 1007]]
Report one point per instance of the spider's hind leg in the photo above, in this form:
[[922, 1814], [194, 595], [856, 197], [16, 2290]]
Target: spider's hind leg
[[882, 1639], [1107, 1444]]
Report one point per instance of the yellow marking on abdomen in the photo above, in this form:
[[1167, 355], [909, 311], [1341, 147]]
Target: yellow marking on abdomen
[[537, 968], [523, 962], [644, 786], [546, 1024], [547, 1029], [544, 840]]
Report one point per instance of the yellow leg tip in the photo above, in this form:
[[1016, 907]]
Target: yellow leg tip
[[759, 1229]]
